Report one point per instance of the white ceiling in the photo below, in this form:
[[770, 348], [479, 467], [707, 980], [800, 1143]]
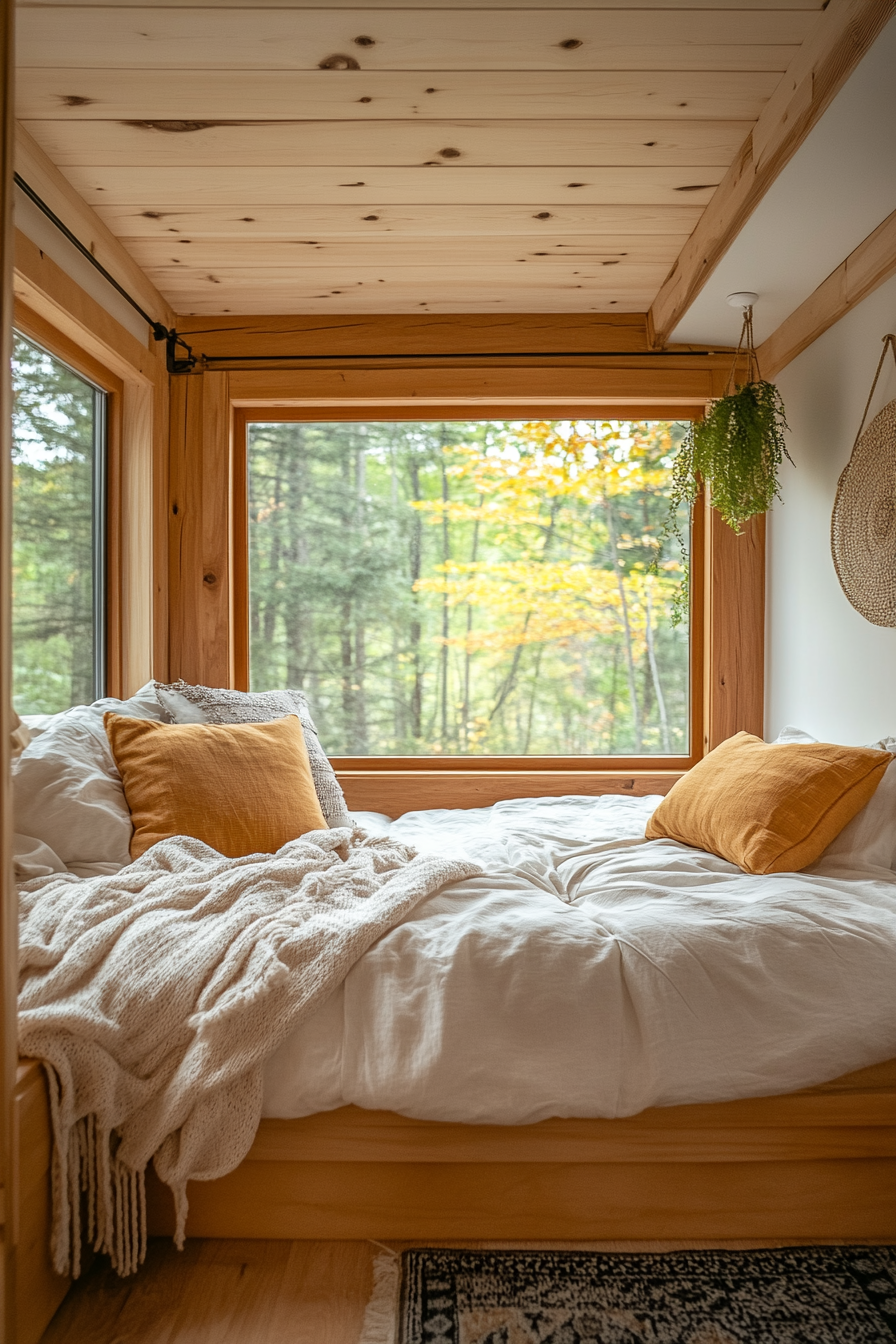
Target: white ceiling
[[837, 188]]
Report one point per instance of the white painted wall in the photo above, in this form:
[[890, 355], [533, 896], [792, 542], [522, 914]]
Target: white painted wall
[[827, 669]]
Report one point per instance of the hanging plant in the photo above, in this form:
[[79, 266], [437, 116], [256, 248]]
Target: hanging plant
[[735, 451]]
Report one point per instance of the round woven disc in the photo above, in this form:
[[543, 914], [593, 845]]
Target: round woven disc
[[863, 525]]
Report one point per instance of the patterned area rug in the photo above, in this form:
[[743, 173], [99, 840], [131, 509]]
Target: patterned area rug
[[809, 1295]]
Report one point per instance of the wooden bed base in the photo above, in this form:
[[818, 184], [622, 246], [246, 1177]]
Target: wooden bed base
[[818, 1165]]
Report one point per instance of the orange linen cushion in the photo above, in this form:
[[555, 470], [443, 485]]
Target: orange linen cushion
[[243, 788], [769, 808]]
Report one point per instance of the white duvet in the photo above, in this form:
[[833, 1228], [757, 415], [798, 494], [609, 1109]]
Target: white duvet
[[593, 973]]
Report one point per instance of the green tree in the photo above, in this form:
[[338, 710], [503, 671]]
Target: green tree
[[469, 587], [53, 559]]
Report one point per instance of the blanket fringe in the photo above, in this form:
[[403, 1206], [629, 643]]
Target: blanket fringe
[[381, 1315], [94, 1194]]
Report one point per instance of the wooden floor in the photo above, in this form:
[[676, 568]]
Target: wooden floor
[[251, 1292]]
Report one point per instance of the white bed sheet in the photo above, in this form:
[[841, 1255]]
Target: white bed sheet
[[593, 973]]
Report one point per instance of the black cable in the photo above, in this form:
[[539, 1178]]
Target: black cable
[[185, 365]]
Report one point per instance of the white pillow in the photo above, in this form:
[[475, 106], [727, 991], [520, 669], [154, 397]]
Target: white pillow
[[869, 840], [66, 790]]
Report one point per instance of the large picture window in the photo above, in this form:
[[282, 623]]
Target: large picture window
[[470, 588], [58, 533]]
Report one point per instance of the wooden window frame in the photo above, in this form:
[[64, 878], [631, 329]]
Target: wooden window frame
[[37, 329], [208, 557], [709, 580]]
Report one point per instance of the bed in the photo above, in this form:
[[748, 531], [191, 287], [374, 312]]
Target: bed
[[599, 1038]]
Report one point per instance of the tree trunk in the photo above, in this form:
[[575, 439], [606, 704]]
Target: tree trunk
[[655, 672], [629, 649]]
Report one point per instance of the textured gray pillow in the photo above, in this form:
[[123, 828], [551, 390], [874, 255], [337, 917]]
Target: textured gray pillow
[[183, 703]]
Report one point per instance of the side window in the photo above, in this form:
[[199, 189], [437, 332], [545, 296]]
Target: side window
[[58, 533]]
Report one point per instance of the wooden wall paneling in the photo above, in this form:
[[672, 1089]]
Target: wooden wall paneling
[[8, 899], [414, 40], [316, 95], [866, 267], [733, 629], [843, 34], [200, 640]]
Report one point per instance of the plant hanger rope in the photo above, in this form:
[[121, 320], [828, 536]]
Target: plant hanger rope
[[863, 521], [889, 343], [744, 346]]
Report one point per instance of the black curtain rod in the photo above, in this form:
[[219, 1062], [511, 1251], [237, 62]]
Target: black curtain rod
[[473, 354], [159, 330], [187, 363]]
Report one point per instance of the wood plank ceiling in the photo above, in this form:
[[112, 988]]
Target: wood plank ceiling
[[508, 157]]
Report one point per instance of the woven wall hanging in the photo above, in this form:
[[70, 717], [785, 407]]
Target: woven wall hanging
[[863, 524]]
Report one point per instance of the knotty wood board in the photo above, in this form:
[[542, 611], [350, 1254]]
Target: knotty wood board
[[546, 253], [401, 143], [405, 39], [161, 188], [302, 95], [407, 221]]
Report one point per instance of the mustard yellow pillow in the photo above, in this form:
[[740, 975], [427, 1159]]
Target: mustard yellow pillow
[[769, 808], [243, 788]]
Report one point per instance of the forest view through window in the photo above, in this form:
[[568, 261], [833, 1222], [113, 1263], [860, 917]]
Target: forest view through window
[[464, 588], [58, 533]]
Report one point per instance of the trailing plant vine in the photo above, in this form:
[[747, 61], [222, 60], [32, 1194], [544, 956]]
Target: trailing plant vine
[[735, 451]]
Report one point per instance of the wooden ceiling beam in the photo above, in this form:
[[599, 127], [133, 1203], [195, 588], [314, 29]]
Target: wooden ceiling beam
[[844, 33], [866, 267]]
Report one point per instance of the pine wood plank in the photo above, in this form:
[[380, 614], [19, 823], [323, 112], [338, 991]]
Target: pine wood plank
[[184, 38], [327, 94], [399, 143], [866, 267], [39, 1290], [161, 188], [414, 221], [591, 385], [225, 1292], [414, 332], [812, 1199], [547, 300], [548, 252], [396, 792], [734, 628], [844, 33], [368, 5]]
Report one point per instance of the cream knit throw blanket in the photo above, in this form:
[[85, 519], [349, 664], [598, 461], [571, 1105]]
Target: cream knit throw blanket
[[156, 995]]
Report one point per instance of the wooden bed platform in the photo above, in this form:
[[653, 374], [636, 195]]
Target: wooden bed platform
[[819, 1164]]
